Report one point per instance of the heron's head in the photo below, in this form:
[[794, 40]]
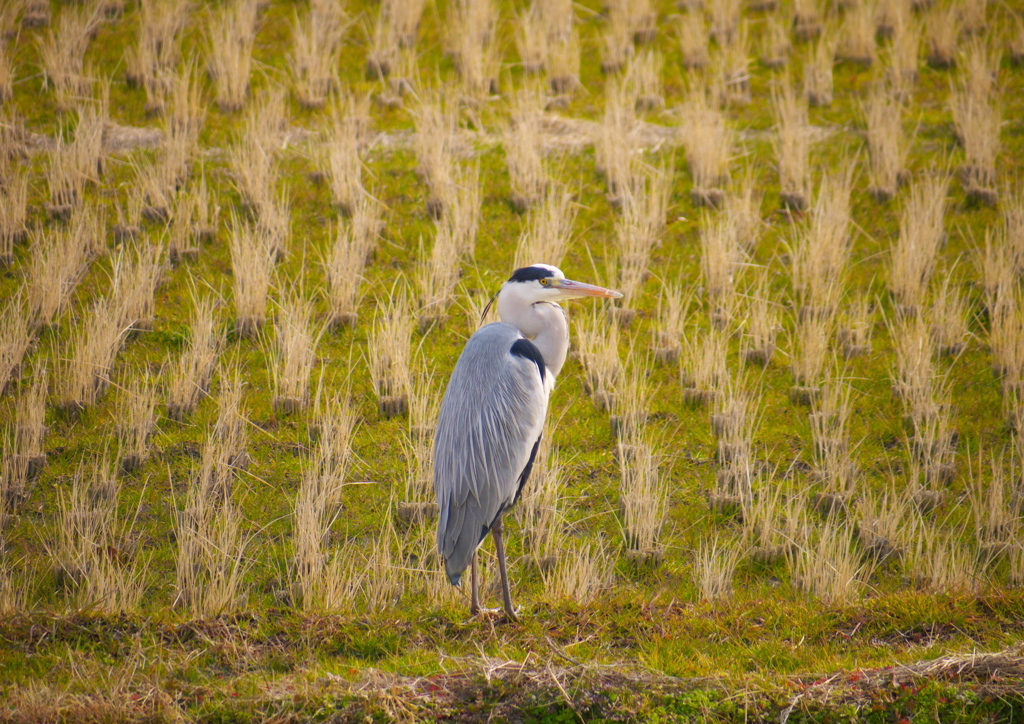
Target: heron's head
[[544, 283]]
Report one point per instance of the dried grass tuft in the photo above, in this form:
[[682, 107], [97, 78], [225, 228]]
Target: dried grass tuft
[[617, 41], [807, 23], [254, 156], [549, 231], [539, 512], [317, 507], [775, 43], [773, 525], [424, 406], [616, 160], [811, 356], [136, 419], [564, 61], [857, 42], [62, 49], [734, 421], [721, 262], [731, 68], [792, 146], [715, 564], [292, 354], [582, 576], [936, 560], [643, 498], [673, 313], [532, 40], [709, 141], [828, 565], [60, 258], [761, 324], [13, 213], [977, 117], [15, 337], [253, 256], [474, 46], [880, 517], [702, 366], [820, 257], [389, 354], [316, 52], [353, 247], [524, 150], [888, 145], [152, 60], [23, 453], [190, 378], [637, 231], [693, 41], [598, 352], [210, 562], [922, 234], [435, 119], [942, 34], [903, 56], [949, 317], [856, 327], [230, 36], [643, 78], [94, 549], [84, 371]]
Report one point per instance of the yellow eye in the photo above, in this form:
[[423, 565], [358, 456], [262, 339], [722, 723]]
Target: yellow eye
[[544, 282]]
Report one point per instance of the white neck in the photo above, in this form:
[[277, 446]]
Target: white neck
[[543, 323]]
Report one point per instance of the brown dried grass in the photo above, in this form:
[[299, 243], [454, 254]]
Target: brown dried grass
[[253, 257], [136, 418], [523, 142], [95, 554], [888, 144], [292, 354], [317, 506], [709, 143], [230, 37], [13, 214], [549, 228], [388, 352], [922, 233], [60, 258], [191, 376], [316, 52], [353, 246], [84, 371], [792, 145], [828, 565], [16, 335], [62, 49], [818, 71]]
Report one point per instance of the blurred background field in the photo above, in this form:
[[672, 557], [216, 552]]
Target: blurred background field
[[243, 244]]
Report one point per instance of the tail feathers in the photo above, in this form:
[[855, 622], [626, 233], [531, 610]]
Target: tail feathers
[[456, 563]]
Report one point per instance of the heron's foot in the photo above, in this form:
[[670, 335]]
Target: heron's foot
[[486, 614], [511, 614]]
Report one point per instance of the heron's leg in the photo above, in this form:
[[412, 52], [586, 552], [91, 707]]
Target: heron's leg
[[497, 530], [474, 589]]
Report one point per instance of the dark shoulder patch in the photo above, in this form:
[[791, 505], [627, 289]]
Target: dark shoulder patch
[[530, 273], [528, 350]]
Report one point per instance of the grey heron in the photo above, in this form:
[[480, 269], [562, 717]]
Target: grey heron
[[493, 413]]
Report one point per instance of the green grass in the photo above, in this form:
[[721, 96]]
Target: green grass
[[732, 661]]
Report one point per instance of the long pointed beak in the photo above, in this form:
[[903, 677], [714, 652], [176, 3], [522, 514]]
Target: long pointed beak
[[568, 289]]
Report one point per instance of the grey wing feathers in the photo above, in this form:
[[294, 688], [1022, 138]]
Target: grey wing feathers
[[491, 417]]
